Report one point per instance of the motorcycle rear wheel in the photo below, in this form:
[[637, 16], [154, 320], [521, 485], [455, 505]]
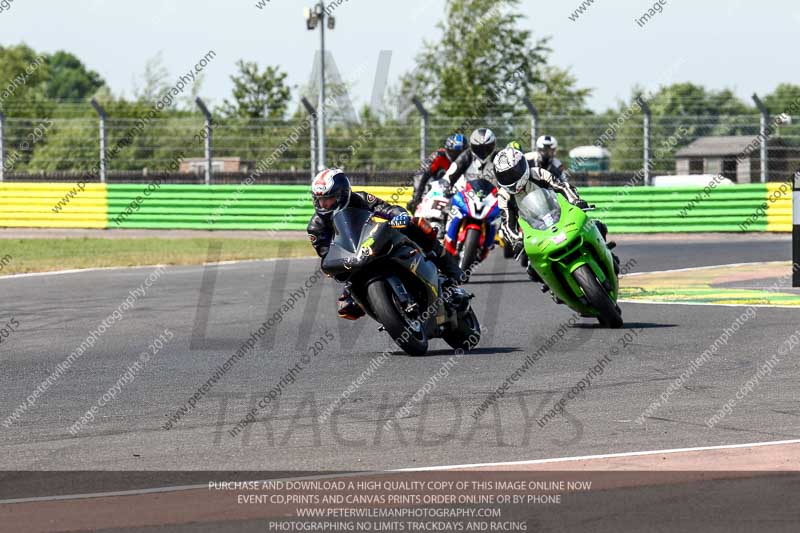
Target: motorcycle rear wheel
[[466, 335]]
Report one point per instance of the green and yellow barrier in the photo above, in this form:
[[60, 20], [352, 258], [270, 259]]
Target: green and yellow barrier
[[53, 205], [732, 208]]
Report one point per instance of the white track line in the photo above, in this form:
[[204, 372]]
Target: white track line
[[103, 269], [179, 488], [656, 302], [689, 269], [606, 456]]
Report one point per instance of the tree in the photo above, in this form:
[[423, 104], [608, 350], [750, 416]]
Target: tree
[[682, 112], [154, 79], [23, 74], [70, 79], [257, 94], [784, 99], [485, 62]]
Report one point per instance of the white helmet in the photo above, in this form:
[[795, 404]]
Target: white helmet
[[512, 170], [547, 141]]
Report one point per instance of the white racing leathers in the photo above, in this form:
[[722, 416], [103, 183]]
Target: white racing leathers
[[508, 202]]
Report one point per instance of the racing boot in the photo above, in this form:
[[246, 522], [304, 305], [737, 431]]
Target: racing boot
[[347, 307], [609, 244], [448, 266]]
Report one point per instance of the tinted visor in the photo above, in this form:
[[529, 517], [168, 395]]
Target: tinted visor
[[483, 151], [508, 178], [325, 203], [452, 155]]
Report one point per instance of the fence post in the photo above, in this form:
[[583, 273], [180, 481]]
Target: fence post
[[312, 121], [648, 117], [209, 154], [2, 146], [764, 134], [424, 125], [103, 139], [796, 230], [534, 121]]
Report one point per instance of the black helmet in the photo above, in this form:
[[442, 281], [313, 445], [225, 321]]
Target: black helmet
[[330, 191], [512, 170], [482, 143], [454, 145]]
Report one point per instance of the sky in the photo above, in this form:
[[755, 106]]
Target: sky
[[745, 46]]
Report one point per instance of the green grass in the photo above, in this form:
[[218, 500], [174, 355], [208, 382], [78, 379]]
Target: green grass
[[41, 255]]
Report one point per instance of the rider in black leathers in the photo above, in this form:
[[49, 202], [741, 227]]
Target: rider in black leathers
[[331, 192]]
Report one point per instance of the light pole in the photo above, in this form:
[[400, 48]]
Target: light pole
[[316, 16]]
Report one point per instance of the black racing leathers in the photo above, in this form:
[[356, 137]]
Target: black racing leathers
[[469, 166], [320, 228], [320, 232]]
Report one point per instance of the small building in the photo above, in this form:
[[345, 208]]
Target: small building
[[589, 159], [736, 157], [197, 165]]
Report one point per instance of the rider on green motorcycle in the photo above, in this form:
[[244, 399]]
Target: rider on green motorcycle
[[517, 177]]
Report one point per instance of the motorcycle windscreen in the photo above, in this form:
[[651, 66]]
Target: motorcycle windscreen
[[481, 187], [539, 208], [348, 225]]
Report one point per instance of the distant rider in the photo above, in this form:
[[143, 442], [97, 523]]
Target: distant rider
[[331, 193], [477, 161], [545, 156], [435, 166]]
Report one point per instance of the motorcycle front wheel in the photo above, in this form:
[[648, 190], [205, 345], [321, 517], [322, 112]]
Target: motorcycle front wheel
[[408, 334], [469, 253], [609, 314]]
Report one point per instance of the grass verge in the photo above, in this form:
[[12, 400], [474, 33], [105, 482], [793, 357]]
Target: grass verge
[[19, 256]]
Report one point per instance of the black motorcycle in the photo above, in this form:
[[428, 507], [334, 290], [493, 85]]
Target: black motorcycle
[[397, 285]]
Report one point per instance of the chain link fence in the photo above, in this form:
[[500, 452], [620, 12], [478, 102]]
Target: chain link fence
[[382, 151]]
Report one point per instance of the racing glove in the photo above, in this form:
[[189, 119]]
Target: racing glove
[[400, 221]]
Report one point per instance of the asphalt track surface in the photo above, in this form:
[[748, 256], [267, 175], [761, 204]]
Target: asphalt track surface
[[57, 312]]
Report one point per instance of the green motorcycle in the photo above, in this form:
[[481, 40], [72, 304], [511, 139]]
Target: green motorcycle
[[567, 251]]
